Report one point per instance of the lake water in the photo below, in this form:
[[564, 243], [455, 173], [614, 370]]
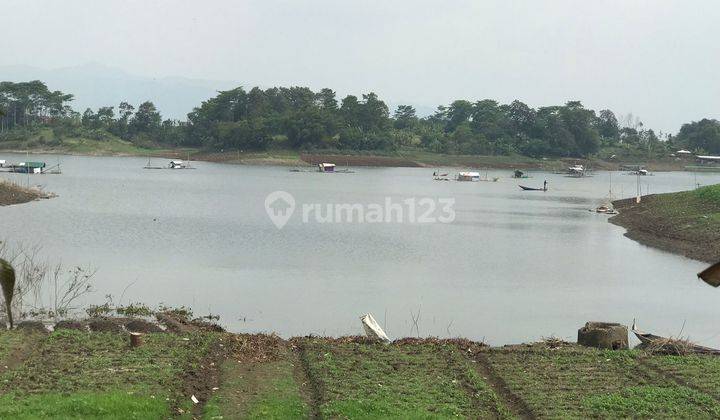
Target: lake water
[[514, 266]]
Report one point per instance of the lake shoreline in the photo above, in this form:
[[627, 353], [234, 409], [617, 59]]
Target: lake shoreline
[[399, 159], [657, 222]]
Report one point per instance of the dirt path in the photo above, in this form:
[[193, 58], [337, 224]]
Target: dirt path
[[467, 385], [310, 386], [201, 381], [21, 352], [516, 404], [261, 376]]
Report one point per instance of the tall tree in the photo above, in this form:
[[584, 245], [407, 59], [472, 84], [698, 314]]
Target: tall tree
[[326, 99], [146, 119], [607, 124], [405, 117], [458, 113]]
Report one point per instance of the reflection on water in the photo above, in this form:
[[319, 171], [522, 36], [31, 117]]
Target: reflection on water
[[514, 266]]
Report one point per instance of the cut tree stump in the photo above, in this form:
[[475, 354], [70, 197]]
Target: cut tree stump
[[135, 339], [604, 335]]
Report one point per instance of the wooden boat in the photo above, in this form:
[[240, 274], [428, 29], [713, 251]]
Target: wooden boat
[[648, 339], [326, 167], [605, 209], [173, 164], [468, 176], [331, 168], [576, 171], [531, 188]]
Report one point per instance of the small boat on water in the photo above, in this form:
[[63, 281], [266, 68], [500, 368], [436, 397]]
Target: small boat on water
[[331, 168], [326, 167], [576, 171], [173, 164], [602, 209], [524, 188], [468, 176], [177, 164], [605, 210], [486, 178]]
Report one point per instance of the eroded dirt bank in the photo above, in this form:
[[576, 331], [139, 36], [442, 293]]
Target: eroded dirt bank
[[679, 223]]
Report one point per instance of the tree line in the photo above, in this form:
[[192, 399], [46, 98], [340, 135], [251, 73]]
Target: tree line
[[300, 118]]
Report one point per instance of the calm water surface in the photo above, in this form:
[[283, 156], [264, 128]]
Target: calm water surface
[[514, 266]]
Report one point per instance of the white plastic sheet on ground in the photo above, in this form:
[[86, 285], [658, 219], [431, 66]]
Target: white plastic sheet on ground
[[372, 328]]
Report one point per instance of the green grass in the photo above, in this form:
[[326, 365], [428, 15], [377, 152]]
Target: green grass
[[710, 195], [592, 383], [114, 146], [96, 366], [364, 381], [690, 212], [484, 393], [701, 372], [44, 139], [257, 391], [112, 405], [74, 374], [653, 402]]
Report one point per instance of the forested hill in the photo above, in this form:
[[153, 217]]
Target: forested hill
[[299, 118]]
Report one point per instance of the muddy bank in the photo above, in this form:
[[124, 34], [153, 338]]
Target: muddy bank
[[673, 223], [12, 194], [246, 158]]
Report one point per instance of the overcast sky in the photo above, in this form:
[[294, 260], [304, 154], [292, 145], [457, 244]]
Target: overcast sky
[[657, 59]]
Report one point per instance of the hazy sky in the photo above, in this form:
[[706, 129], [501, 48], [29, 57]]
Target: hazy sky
[[657, 59]]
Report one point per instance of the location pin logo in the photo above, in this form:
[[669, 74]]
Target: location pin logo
[[279, 206]]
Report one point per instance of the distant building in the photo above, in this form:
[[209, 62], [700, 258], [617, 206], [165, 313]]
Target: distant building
[[707, 159], [28, 167]]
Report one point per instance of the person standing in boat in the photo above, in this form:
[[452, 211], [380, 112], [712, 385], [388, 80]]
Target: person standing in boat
[[545, 185]]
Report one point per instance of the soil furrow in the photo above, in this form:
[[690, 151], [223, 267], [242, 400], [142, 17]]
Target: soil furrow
[[516, 404], [309, 384]]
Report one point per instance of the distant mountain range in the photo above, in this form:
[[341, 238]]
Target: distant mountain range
[[96, 85]]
